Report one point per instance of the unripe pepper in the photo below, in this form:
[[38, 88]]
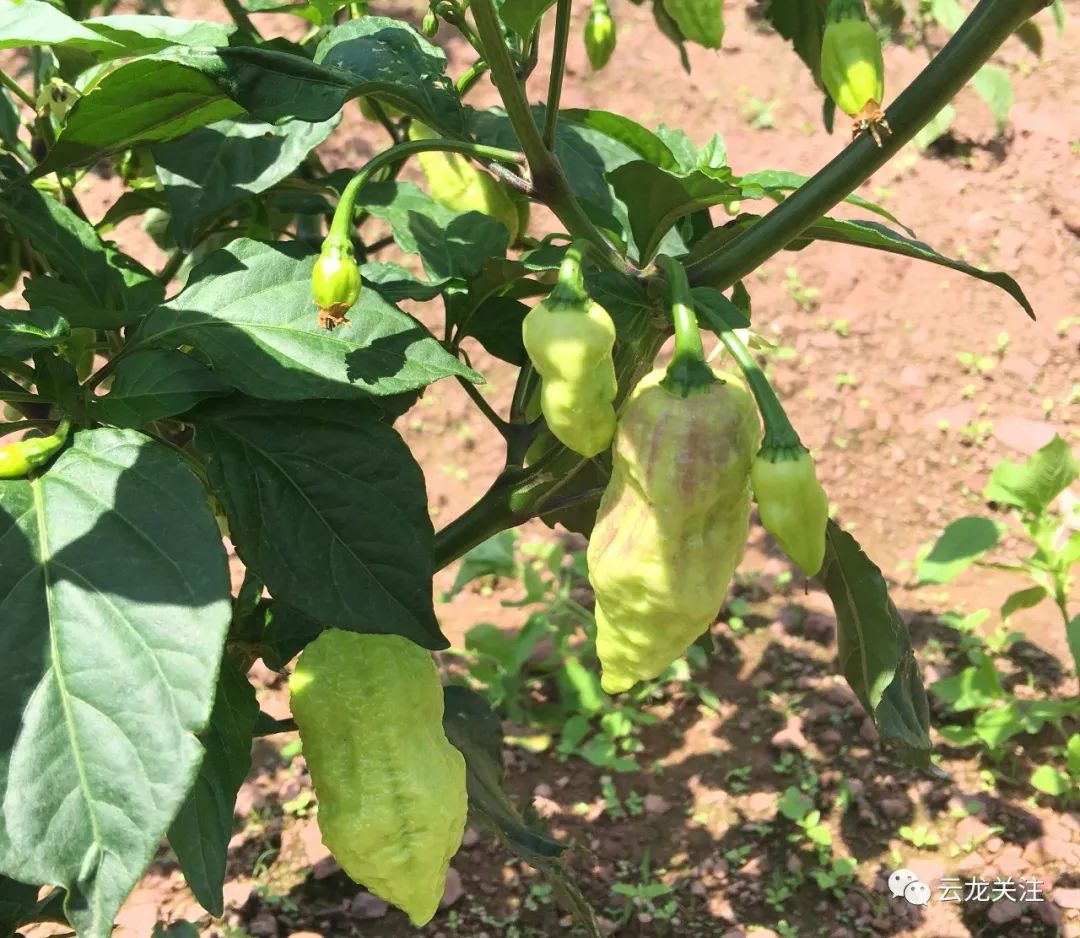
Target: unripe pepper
[[599, 35], [852, 67], [569, 338], [793, 506], [672, 523], [335, 282], [17, 459], [455, 183], [391, 787]]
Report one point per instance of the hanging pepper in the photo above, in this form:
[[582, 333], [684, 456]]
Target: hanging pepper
[[852, 67], [569, 338], [599, 35], [17, 459], [674, 518], [335, 281]]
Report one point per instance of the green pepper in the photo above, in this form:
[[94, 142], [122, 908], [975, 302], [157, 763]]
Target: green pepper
[[792, 504], [569, 338], [852, 67], [335, 282], [599, 35], [17, 459]]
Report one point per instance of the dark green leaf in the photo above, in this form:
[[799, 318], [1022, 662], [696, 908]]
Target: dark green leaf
[[669, 28], [802, 23], [656, 199], [25, 331], [204, 824], [394, 283], [647, 145], [318, 12], [875, 650], [17, 902], [973, 688], [113, 634], [154, 384], [778, 182], [248, 309], [98, 286], [523, 15], [287, 632], [962, 543], [327, 505], [145, 101], [699, 21], [1031, 36], [136, 34], [496, 325], [1022, 599], [1033, 485], [214, 167], [717, 312], [475, 730]]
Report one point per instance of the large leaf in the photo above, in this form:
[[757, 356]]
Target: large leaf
[[248, 309], [328, 507], [1033, 485], [647, 145], [656, 199], [201, 831], [962, 543], [875, 650], [154, 384], [450, 244], [523, 15], [142, 102], [699, 21], [371, 55], [140, 35], [114, 594], [214, 167], [802, 23], [25, 331], [35, 22], [91, 282]]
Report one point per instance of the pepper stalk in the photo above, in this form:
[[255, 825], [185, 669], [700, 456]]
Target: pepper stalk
[[688, 372]]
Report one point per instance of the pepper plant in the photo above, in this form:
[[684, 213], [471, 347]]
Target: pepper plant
[[249, 389]]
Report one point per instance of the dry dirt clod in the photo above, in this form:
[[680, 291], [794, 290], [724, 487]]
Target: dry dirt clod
[[453, 891]]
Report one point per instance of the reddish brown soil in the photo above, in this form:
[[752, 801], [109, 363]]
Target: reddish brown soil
[[905, 435]]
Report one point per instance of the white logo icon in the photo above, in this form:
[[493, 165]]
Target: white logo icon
[[917, 893], [899, 880]]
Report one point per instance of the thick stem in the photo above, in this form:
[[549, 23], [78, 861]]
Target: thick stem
[[687, 371], [988, 26], [558, 68]]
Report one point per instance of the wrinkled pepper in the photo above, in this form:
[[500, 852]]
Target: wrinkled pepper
[[569, 338], [390, 786]]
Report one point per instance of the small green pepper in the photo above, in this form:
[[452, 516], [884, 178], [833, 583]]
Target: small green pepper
[[792, 504], [599, 35], [335, 282], [17, 459]]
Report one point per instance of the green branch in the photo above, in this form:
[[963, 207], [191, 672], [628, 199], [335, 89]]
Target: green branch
[[988, 26], [558, 67]]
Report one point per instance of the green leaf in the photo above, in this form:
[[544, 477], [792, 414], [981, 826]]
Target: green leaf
[[305, 486], [374, 54], [972, 688], [17, 902], [687, 155], [248, 309], [647, 145], [656, 199], [394, 283], [154, 384], [962, 543], [949, 13], [199, 836], [113, 634], [1030, 34], [214, 167], [996, 727], [493, 557], [142, 102], [91, 282], [875, 650], [137, 34], [25, 331], [450, 244], [995, 88], [870, 234], [700, 21], [496, 325], [1051, 781], [523, 15], [317, 12], [476, 731], [1022, 599], [36, 23], [286, 633], [1034, 484], [717, 312], [778, 182], [793, 804]]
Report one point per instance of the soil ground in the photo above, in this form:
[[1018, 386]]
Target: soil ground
[[910, 382]]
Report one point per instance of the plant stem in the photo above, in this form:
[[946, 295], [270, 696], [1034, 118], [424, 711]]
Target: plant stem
[[988, 26], [483, 406], [549, 182], [558, 68], [779, 433], [341, 226], [16, 89], [470, 77], [687, 371]]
